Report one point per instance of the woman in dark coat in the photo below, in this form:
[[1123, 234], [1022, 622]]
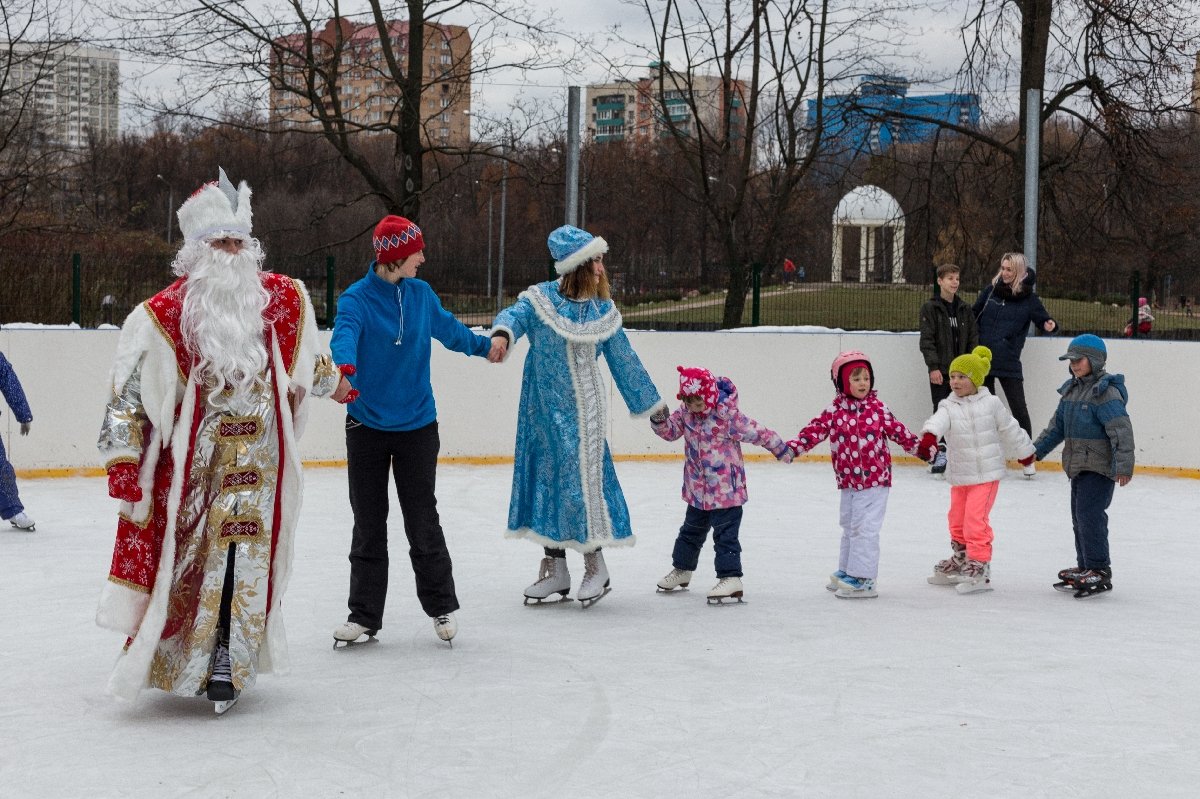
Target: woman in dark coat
[[1003, 312]]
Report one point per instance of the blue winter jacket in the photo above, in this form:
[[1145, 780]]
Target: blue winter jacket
[[14, 395], [384, 332], [1003, 321], [1092, 420]]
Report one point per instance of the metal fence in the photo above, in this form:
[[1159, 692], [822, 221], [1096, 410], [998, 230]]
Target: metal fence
[[92, 292]]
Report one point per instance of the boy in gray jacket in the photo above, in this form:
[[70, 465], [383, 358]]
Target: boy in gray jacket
[[1097, 453]]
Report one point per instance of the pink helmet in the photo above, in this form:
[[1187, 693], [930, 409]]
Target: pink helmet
[[845, 363], [1142, 301]]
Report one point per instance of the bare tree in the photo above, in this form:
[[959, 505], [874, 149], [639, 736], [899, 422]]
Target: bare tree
[[32, 33], [730, 84], [235, 53]]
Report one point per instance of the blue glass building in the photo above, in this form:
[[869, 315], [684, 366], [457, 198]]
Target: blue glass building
[[863, 121]]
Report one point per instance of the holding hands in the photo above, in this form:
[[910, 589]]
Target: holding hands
[[499, 349], [927, 448]]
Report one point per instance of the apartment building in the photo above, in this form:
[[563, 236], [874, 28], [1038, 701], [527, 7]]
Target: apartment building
[[368, 96], [641, 108], [75, 91]]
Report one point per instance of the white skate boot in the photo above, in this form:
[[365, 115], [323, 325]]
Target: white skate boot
[[677, 578], [727, 588], [949, 571], [350, 633], [446, 627], [976, 576], [595, 582], [22, 522], [553, 578]]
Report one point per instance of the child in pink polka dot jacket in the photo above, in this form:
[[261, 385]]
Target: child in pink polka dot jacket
[[858, 426]]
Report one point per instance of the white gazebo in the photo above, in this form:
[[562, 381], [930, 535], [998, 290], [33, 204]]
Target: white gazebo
[[872, 210]]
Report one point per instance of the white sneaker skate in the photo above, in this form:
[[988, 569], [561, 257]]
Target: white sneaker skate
[[835, 580], [856, 588], [446, 627], [349, 634], [1029, 471], [976, 577], [595, 584], [677, 578], [553, 578], [726, 588], [22, 522]]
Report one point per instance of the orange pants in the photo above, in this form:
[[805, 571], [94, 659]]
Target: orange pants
[[970, 507]]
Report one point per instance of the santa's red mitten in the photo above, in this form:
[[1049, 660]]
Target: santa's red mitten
[[927, 449], [123, 481], [1028, 460]]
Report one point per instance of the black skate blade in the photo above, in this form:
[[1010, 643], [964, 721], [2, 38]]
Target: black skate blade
[[587, 603], [1065, 587], [339, 644], [533, 601], [732, 599], [1091, 591]]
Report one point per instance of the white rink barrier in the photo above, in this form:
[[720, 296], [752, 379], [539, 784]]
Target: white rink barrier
[[782, 377]]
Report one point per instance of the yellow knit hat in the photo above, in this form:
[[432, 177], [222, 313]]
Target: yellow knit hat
[[975, 364]]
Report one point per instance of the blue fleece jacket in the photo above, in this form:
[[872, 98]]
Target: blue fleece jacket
[[384, 332]]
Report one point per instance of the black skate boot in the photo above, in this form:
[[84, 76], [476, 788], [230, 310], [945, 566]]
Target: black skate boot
[[1067, 578], [1093, 582]]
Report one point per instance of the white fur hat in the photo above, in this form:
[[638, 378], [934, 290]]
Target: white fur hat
[[216, 210]]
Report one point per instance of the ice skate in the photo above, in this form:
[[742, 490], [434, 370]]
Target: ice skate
[[856, 588], [1067, 578], [446, 627], [1092, 583], [676, 578], [939, 461], [352, 634], [22, 522], [1029, 470], [976, 577], [835, 580], [553, 578], [220, 681], [595, 583], [949, 571], [726, 589], [224, 705]]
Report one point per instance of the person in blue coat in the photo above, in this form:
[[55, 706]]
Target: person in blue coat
[[1004, 310], [11, 508], [565, 493], [381, 342]]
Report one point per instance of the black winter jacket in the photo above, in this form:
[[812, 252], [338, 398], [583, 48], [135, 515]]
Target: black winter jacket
[[947, 331], [1003, 321]]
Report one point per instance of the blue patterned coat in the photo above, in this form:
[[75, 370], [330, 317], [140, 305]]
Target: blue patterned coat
[[565, 492]]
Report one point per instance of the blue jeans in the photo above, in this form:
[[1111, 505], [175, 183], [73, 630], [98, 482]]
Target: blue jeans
[[1091, 494], [725, 523]]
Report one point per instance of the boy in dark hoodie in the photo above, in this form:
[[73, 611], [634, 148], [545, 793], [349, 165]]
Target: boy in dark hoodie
[[1097, 453], [947, 331]]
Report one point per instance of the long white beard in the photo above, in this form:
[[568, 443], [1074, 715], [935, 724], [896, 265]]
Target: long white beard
[[222, 319]]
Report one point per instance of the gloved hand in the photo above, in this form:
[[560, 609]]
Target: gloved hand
[[1027, 461], [785, 454], [347, 369], [660, 416], [927, 449], [123, 482], [25, 428]]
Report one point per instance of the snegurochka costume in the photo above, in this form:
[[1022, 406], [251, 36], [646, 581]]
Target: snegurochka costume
[[210, 476], [565, 493]]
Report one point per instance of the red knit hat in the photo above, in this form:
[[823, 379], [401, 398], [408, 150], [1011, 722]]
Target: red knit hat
[[395, 239], [697, 382]]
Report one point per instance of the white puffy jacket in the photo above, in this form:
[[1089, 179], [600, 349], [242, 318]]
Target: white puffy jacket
[[978, 430]]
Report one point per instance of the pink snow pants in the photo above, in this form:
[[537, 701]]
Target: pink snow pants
[[970, 507]]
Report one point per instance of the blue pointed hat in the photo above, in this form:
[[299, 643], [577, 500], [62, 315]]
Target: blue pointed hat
[[570, 247]]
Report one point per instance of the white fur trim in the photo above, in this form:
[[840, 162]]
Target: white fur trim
[[593, 332], [646, 414], [530, 534], [121, 608], [512, 339], [208, 214], [597, 246]]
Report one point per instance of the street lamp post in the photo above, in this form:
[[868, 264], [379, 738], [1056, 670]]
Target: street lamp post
[[170, 205]]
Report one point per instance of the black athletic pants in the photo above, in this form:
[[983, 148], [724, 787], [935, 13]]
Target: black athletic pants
[[1014, 392], [411, 457]]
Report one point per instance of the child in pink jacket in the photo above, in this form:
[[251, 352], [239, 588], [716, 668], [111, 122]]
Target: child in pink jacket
[[714, 478], [858, 426]]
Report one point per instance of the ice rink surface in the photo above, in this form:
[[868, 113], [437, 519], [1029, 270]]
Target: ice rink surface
[[1019, 692]]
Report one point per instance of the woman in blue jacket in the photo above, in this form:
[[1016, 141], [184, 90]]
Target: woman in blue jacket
[[1003, 312]]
